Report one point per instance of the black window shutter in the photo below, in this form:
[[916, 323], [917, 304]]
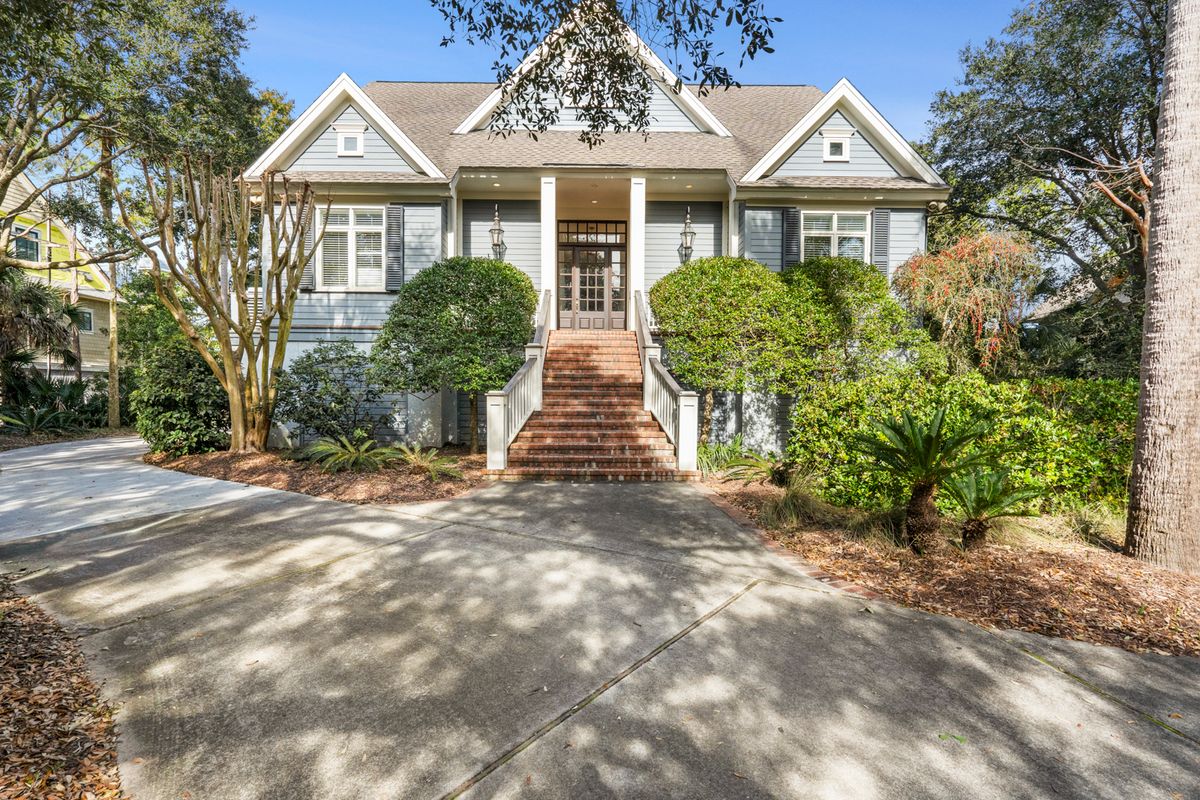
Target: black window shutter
[[881, 228], [308, 278], [791, 237], [394, 278]]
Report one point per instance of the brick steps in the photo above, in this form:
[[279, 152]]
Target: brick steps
[[592, 426]]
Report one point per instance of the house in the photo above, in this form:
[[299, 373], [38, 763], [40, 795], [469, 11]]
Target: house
[[41, 237], [414, 173]]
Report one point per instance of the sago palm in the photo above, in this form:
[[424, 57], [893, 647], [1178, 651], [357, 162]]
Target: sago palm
[[358, 455], [923, 453], [985, 495]]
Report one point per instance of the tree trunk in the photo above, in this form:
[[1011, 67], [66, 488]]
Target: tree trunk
[[107, 190], [706, 417], [474, 422], [922, 526], [974, 534], [1164, 492]]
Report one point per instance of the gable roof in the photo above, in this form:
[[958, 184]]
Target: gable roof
[[846, 98], [756, 117], [658, 71], [341, 92]]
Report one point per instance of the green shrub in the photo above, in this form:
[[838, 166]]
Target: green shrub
[[460, 323], [429, 462], [715, 457], [329, 391], [179, 406], [26, 421], [756, 468], [1073, 439], [358, 455]]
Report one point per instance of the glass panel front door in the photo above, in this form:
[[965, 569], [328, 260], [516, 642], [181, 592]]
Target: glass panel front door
[[591, 275]]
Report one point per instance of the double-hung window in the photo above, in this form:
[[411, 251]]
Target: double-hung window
[[25, 244], [840, 234], [351, 253], [86, 323]]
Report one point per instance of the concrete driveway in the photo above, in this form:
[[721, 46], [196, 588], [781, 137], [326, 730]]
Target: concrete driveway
[[582, 641]]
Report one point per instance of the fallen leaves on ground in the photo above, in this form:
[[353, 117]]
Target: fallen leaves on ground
[[1073, 591], [57, 739], [13, 441], [276, 472]]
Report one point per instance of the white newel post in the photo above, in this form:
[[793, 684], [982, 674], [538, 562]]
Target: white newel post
[[689, 430], [653, 353], [497, 447], [535, 351], [637, 241], [550, 246]]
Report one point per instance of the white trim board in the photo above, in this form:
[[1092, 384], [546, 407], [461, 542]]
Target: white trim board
[[660, 73], [320, 113], [845, 97]]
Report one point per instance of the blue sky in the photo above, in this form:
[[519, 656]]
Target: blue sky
[[897, 53]]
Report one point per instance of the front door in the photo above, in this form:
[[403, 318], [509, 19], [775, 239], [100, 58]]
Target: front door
[[591, 275]]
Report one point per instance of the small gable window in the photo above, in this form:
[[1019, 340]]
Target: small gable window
[[25, 244], [350, 139], [837, 144]]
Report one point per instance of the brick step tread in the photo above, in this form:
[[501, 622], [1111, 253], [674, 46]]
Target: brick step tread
[[622, 380], [630, 413], [588, 392], [581, 423], [595, 475], [605, 438], [551, 453]]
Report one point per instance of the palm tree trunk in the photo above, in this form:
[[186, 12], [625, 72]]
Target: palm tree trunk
[[1164, 497], [974, 533], [922, 527]]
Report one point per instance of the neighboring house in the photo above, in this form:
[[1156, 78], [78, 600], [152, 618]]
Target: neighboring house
[[46, 239], [414, 174]]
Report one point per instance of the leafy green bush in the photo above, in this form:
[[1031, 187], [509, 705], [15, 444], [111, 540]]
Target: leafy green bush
[[871, 331], [334, 454], [460, 323], [1073, 439], [329, 391], [715, 457], [179, 405]]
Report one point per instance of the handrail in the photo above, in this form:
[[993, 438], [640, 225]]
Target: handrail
[[510, 408], [676, 410]]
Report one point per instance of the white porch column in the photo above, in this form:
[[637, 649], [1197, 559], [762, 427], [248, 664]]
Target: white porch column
[[689, 430], [550, 246], [637, 238]]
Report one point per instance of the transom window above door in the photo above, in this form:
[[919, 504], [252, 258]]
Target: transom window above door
[[351, 253], [591, 233], [841, 234]]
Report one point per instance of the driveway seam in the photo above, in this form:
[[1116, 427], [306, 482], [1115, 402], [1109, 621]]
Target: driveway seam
[[251, 584], [512, 752]]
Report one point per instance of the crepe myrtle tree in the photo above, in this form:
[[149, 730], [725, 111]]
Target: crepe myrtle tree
[[202, 247], [460, 324], [583, 51]]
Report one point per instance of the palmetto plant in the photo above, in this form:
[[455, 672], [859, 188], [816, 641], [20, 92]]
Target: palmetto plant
[[427, 462], [924, 454], [753, 467], [27, 421], [358, 455], [985, 495]]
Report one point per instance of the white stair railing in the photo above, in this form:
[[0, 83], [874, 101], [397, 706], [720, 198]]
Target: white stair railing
[[510, 408], [677, 411]]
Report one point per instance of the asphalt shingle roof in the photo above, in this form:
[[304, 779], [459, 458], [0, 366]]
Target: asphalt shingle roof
[[757, 116]]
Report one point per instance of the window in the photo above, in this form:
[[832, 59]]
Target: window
[[350, 139], [827, 234], [85, 321], [26, 246], [351, 254], [837, 147]]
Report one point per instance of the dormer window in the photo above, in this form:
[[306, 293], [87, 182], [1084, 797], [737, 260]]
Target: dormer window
[[837, 144], [350, 139]]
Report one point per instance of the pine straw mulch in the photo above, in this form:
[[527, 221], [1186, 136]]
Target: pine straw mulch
[[274, 471], [57, 739], [1071, 590]]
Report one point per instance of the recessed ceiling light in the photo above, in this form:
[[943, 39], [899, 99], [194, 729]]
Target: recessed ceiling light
[[688, 186], [595, 201]]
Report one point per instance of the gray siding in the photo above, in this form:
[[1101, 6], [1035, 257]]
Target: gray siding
[[664, 221], [464, 419], [422, 237], [906, 236], [522, 223], [809, 157], [763, 236], [339, 315], [665, 114], [378, 156]]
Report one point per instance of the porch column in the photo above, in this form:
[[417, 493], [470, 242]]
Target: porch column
[[550, 246], [637, 235]]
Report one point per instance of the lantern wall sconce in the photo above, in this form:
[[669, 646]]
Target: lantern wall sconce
[[497, 231], [687, 237]]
